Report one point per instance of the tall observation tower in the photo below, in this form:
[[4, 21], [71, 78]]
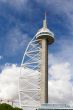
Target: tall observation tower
[[33, 79], [45, 37]]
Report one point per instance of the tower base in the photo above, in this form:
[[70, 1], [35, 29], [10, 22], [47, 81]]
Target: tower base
[[55, 107]]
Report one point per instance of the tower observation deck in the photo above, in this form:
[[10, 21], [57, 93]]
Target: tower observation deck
[[45, 33]]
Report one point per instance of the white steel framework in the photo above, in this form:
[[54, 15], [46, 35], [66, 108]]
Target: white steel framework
[[29, 79]]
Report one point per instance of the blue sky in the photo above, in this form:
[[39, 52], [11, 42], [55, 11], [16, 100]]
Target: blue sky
[[20, 21]]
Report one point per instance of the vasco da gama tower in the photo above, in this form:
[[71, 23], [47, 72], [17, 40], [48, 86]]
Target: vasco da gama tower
[[45, 37], [35, 63], [32, 91]]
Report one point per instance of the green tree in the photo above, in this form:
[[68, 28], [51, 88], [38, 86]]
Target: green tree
[[5, 106]]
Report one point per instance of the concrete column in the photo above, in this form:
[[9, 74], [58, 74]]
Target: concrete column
[[44, 71]]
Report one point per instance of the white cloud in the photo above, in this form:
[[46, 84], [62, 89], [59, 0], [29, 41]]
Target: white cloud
[[60, 91], [60, 82], [8, 82], [60, 86], [61, 71]]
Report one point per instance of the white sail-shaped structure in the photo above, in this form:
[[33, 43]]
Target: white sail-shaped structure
[[29, 78]]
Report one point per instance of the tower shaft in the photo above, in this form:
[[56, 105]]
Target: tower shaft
[[44, 71]]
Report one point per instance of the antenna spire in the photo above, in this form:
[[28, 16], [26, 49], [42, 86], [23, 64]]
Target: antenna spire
[[45, 22]]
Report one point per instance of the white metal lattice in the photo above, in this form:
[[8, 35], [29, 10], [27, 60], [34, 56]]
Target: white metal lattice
[[29, 79]]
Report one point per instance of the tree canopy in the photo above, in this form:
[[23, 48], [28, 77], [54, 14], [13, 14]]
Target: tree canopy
[[5, 106]]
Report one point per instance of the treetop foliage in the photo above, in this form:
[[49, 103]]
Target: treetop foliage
[[5, 106]]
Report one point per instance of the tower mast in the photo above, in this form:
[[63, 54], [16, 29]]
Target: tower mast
[[46, 37]]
